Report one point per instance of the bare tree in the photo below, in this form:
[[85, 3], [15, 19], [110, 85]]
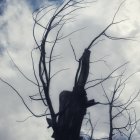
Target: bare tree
[[67, 122], [122, 115]]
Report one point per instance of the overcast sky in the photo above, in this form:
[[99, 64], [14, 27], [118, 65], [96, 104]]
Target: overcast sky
[[16, 35]]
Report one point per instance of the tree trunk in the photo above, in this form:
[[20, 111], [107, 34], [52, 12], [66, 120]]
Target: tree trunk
[[72, 111], [73, 104]]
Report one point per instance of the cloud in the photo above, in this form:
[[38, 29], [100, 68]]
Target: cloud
[[16, 35], [35, 4], [2, 6]]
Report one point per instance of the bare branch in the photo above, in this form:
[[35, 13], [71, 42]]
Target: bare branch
[[20, 70], [106, 77], [22, 99]]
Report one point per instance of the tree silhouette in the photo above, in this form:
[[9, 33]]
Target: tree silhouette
[[67, 122], [121, 110]]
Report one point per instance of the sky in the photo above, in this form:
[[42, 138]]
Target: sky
[[16, 36]]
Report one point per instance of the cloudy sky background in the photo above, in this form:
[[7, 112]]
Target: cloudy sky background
[[16, 35]]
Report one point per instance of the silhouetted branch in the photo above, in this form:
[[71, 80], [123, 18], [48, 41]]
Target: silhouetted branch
[[105, 78], [118, 109], [20, 70], [22, 99]]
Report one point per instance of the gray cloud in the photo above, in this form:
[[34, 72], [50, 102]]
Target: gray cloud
[[2, 6]]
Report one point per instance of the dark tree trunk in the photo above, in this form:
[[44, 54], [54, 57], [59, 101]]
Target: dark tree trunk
[[73, 104], [72, 110]]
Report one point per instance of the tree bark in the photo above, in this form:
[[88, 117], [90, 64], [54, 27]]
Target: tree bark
[[73, 104]]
